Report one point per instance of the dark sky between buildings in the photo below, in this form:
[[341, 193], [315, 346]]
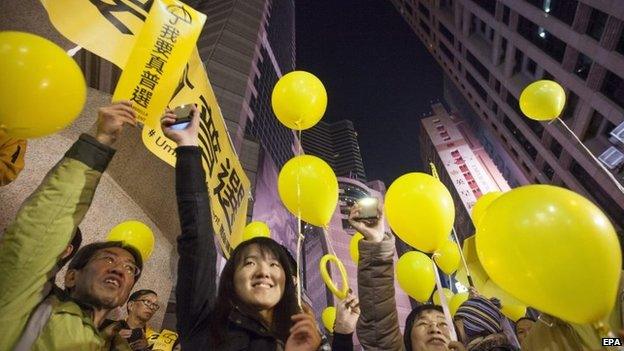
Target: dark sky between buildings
[[377, 74]]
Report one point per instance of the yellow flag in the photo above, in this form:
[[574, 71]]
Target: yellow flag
[[110, 29], [158, 58]]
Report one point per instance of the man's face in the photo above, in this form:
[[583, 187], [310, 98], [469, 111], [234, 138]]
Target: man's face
[[522, 329], [106, 281], [259, 279], [144, 307], [430, 332]]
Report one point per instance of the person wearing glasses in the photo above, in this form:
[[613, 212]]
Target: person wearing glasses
[[99, 277]]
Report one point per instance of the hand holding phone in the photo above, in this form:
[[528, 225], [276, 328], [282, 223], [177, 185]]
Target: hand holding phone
[[367, 208], [183, 117]]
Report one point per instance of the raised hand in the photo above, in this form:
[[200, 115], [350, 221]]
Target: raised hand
[[347, 314], [183, 137], [111, 120], [371, 229]]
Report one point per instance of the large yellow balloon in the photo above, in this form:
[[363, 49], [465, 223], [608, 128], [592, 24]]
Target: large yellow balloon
[[447, 293], [553, 250], [135, 234], [299, 100], [256, 229], [514, 312], [42, 89], [329, 318], [308, 187], [542, 100], [457, 300], [482, 204], [354, 250], [415, 275], [447, 257], [420, 210]]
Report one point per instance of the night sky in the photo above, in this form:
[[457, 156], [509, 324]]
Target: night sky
[[377, 74]]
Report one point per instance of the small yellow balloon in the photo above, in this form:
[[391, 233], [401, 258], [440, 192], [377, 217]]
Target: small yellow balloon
[[308, 188], [256, 229], [482, 204], [329, 318], [447, 293], [447, 257], [554, 250], [354, 250], [344, 290], [135, 234], [514, 312], [420, 211], [299, 100], [456, 301], [43, 89], [542, 100], [415, 275]]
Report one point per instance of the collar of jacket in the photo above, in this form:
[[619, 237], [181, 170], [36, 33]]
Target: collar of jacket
[[243, 321]]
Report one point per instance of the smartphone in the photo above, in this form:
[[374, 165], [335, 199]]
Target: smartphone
[[183, 116], [368, 208]]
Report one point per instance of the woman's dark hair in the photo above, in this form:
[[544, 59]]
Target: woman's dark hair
[[227, 299], [411, 318]]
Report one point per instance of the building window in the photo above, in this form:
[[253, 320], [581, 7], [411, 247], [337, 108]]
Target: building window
[[564, 10], [423, 10], [526, 145], [487, 5], [597, 22], [570, 106], [613, 88], [556, 148], [479, 67], [548, 75], [541, 38], [424, 26], [620, 47], [506, 12], [583, 64], [531, 67], [476, 86], [446, 52], [518, 57], [447, 33], [548, 171], [594, 126]]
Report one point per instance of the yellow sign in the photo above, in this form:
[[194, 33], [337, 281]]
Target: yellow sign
[[163, 341], [110, 29], [158, 59]]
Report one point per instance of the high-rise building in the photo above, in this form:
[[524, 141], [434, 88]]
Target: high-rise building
[[492, 49], [336, 143], [463, 165]]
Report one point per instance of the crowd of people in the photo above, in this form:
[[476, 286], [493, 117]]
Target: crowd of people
[[253, 306]]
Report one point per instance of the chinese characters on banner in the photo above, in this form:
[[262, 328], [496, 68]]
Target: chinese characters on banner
[[156, 74]]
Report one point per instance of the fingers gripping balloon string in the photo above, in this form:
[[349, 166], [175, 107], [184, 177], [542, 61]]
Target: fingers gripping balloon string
[[443, 302], [434, 172], [607, 172]]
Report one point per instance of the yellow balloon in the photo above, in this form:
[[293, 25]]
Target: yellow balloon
[[447, 257], [308, 188], [447, 293], [354, 250], [299, 100], [482, 204], [420, 211], [456, 301], [135, 234], [415, 275], [43, 89], [256, 229], [477, 272], [542, 100], [329, 318], [344, 290], [553, 250], [514, 312]]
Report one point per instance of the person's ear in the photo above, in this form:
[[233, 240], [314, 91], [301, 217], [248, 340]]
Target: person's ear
[[70, 278]]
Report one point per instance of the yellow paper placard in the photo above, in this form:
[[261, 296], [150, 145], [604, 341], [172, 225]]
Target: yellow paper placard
[[158, 58], [110, 29]]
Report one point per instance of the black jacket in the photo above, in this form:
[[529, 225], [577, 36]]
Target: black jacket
[[196, 288]]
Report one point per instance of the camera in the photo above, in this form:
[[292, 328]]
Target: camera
[[368, 208]]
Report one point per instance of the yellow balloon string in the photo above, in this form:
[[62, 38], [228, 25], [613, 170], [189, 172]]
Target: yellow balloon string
[[608, 173], [299, 234], [445, 308], [434, 173]]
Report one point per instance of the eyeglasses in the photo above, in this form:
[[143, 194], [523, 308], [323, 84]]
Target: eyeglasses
[[430, 324], [113, 261], [152, 306]]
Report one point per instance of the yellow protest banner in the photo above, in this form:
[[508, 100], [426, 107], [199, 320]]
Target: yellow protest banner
[[158, 58], [109, 28], [225, 176]]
